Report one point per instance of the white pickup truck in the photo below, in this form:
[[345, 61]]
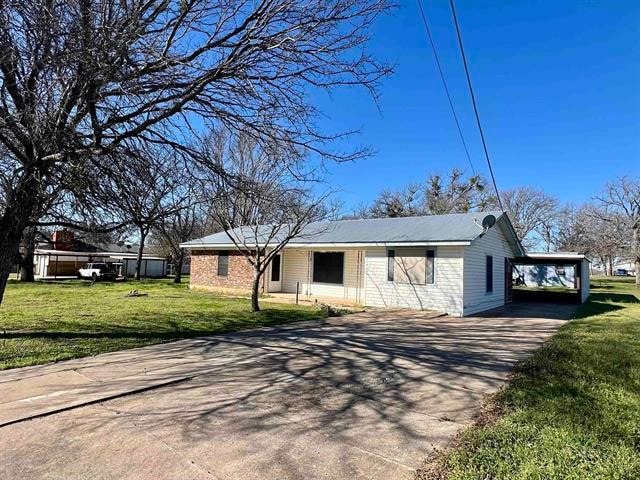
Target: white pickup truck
[[98, 271]]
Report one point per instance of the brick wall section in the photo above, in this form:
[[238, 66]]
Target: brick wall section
[[204, 270]]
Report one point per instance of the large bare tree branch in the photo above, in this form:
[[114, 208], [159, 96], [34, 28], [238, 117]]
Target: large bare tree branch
[[79, 79]]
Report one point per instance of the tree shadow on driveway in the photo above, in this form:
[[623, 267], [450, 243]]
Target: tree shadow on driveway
[[375, 391]]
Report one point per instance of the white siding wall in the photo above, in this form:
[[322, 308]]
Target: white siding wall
[[298, 267], [475, 297], [444, 295], [149, 268], [585, 280], [547, 275]]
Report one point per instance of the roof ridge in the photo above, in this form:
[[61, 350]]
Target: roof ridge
[[410, 216]]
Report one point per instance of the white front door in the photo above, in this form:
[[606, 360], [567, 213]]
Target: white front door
[[275, 274]]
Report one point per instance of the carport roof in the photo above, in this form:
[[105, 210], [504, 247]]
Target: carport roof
[[552, 257], [459, 229]]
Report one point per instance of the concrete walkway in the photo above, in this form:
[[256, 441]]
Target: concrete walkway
[[365, 396]]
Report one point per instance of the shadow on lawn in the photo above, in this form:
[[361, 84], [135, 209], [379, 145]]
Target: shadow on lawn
[[601, 303], [614, 297], [172, 335], [219, 325]]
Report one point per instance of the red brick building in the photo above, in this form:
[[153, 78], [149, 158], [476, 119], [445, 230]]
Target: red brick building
[[221, 269]]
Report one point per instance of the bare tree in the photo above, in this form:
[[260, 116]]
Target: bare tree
[[405, 202], [439, 195], [181, 226], [79, 78], [140, 188], [263, 199], [455, 194], [621, 207], [593, 231], [533, 214]]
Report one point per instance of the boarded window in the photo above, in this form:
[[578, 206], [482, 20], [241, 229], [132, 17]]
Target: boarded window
[[328, 267], [275, 269], [415, 266], [489, 274], [223, 264]]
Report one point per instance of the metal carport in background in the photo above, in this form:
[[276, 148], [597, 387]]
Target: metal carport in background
[[550, 277]]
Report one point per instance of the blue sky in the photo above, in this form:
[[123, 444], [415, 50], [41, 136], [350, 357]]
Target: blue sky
[[557, 84]]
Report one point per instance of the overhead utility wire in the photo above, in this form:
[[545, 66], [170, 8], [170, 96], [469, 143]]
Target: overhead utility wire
[[444, 83], [473, 100]]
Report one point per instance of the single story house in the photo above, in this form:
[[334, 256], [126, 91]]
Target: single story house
[[64, 255], [460, 264]]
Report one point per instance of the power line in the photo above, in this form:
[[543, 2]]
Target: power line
[[473, 100], [444, 83]]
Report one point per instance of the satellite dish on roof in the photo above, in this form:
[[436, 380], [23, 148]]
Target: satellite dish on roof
[[488, 222]]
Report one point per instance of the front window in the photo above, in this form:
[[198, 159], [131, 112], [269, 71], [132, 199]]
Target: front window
[[415, 266], [328, 267]]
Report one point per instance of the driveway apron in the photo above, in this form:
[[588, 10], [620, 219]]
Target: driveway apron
[[365, 396]]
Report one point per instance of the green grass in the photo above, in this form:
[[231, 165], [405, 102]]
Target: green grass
[[46, 322], [572, 410]]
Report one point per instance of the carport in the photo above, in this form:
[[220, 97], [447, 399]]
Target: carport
[[548, 277]]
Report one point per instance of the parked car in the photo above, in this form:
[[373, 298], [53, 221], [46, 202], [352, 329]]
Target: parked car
[[621, 272], [98, 271]]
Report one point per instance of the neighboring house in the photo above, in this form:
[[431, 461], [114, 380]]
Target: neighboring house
[[448, 263], [627, 265], [64, 255]]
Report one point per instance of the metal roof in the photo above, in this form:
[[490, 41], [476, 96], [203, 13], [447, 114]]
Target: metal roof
[[557, 256], [432, 229], [70, 253]]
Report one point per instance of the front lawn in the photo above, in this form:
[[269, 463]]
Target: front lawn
[[45, 322], [572, 410]]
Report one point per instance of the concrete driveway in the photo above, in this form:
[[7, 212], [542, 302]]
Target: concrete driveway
[[365, 396]]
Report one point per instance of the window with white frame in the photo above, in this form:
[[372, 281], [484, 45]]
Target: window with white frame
[[328, 267], [411, 265]]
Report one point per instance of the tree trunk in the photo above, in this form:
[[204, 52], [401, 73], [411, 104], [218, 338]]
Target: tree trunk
[[18, 209], [26, 260], [26, 267], [636, 247], [143, 236], [608, 266], [177, 274], [255, 289]]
